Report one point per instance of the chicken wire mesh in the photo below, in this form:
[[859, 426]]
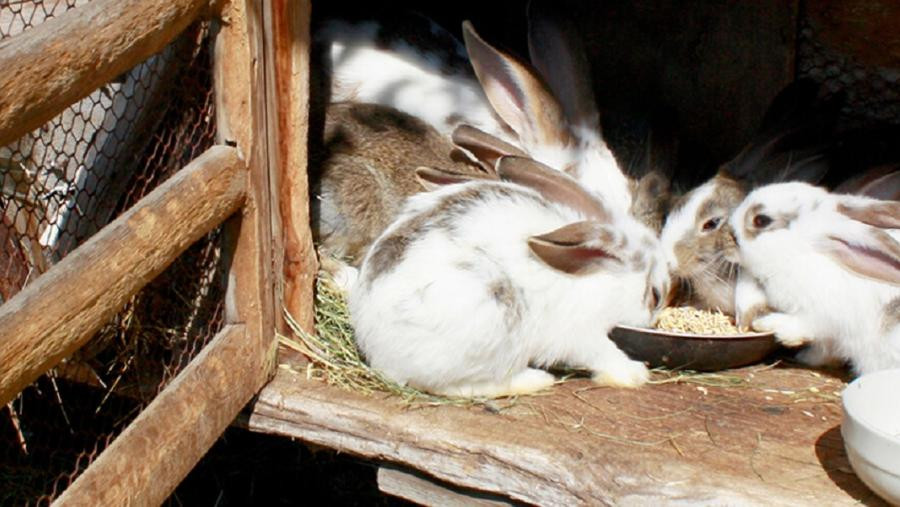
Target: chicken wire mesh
[[62, 183]]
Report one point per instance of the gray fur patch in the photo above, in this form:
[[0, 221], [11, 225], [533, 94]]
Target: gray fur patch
[[391, 250], [507, 296], [891, 314]]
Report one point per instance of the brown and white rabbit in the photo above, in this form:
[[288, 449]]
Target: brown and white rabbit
[[546, 109], [829, 268], [477, 285], [364, 171], [791, 144]]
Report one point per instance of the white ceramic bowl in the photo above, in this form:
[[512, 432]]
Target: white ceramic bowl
[[871, 431]]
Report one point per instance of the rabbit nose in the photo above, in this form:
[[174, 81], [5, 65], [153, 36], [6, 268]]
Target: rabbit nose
[[732, 253]]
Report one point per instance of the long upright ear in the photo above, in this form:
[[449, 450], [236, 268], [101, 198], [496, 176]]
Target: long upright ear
[[867, 251], [517, 93], [886, 187], [553, 185], [577, 248], [558, 54], [881, 214], [485, 147]]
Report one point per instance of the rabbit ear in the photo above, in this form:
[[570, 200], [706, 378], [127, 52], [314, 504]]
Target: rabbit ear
[[553, 185], [485, 147], [881, 214], [577, 248], [885, 187], [432, 178], [558, 54], [867, 251], [517, 93]]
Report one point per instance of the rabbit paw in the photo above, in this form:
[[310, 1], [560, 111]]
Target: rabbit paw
[[526, 381], [628, 373], [789, 330]]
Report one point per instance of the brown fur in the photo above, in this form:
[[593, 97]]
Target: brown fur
[[883, 214], [366, 170], [697, 253]]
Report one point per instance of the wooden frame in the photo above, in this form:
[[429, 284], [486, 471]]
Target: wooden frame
[[258, 150]]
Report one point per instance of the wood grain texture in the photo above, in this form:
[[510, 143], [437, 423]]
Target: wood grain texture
[[771, 438], [49, 67], [150, 458], [57, 313], [239, 75], [287, 46], [424, 491]]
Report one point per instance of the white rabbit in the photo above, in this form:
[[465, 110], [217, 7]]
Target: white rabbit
[[829, 266], [477, 285], [410, 63]]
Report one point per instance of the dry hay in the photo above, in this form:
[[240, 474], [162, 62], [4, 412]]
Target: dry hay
[[335, 358]]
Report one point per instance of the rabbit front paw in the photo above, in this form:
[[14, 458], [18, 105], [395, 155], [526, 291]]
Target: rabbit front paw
[[789, 330], [627, 373]]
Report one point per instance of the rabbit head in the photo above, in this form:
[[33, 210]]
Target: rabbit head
[[549, 103], [829, 267], [791, 144]]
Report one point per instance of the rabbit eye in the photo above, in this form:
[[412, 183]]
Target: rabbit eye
[[711, 224], [761, 221]]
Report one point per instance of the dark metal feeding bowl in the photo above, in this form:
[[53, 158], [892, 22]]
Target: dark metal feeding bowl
[[690, 351]]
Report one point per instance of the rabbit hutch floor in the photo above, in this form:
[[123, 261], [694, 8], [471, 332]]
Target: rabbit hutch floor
[[765, 434]]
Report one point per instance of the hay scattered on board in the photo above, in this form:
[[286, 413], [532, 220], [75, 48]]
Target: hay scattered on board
[[335, 359]]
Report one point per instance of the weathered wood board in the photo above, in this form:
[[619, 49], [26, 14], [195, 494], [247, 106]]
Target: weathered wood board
[[771, 438]]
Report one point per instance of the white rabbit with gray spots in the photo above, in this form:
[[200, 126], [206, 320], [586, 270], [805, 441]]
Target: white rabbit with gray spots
[[478, 285], [829, 268]]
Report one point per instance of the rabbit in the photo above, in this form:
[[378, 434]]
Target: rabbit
[[546, 109], [478, 285], [829, 268], [364, 170], [408, 62], [791, 143]]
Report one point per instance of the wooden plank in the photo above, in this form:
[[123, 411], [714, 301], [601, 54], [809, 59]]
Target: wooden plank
[[158, 449], [287, 80], [38, 329], [241, 120], [49, 67], [417, 488], [759, 435]]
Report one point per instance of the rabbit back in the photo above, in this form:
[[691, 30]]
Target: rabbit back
[[450, 294]]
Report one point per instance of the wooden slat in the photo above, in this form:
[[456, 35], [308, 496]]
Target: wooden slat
[[57, 313], [158, 449], [417, 488], [287, 54], [49, 67], [755, 436], [239, 70]]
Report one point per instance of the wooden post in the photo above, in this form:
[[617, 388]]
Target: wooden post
[[158, 449], [239, 67], [287, 94], [53, 65], [37, 330]]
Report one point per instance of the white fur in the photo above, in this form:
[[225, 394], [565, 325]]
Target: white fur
[[817, 300], [433, 322], [406, 78]]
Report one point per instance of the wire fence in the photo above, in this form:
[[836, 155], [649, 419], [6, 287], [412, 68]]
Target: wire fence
[[62, 183]]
